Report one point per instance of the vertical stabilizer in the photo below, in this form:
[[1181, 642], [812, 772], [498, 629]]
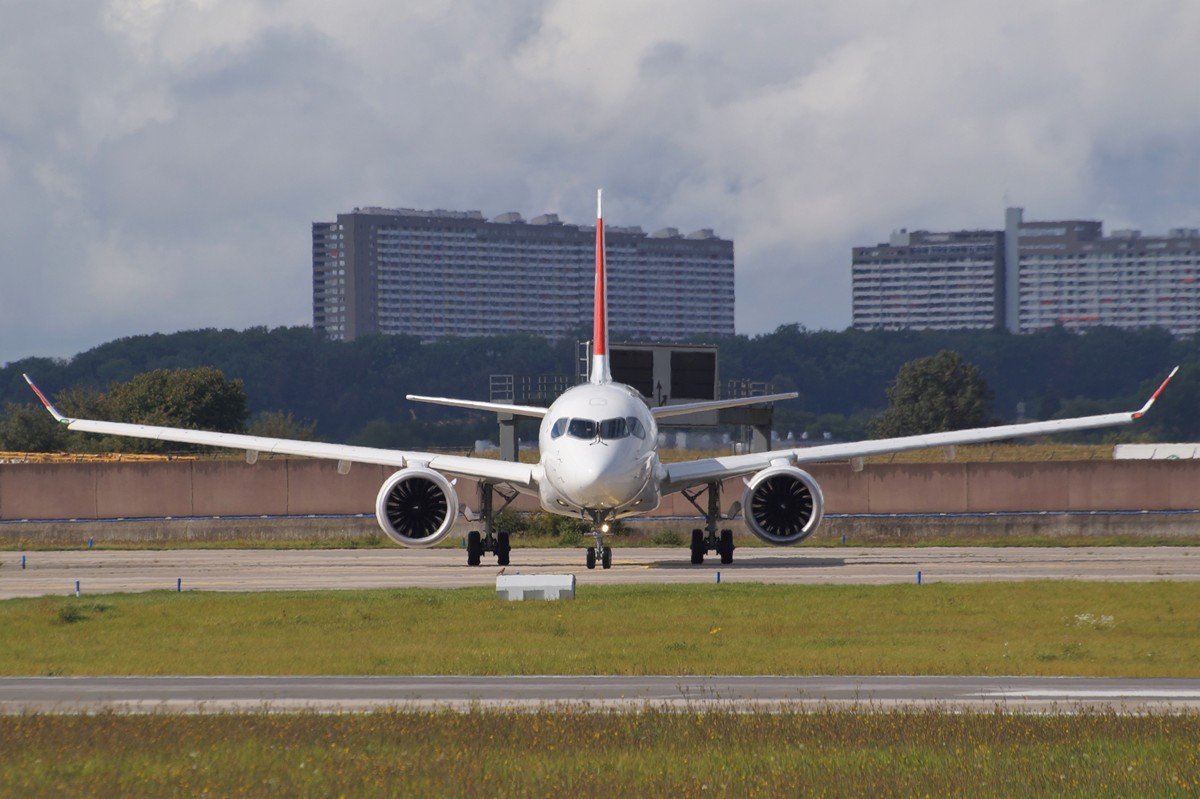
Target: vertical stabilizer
[[600, 369]]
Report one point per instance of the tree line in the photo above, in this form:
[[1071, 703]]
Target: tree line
[[294, 382]]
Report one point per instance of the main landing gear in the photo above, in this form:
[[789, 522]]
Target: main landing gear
[[490, 540], [708, 540], [598, 551]]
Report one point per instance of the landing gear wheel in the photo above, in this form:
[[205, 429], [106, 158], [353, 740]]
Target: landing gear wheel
[[725, 547], [591, 557], [474, 548], [606, 558], [698, 548], [503, 548]]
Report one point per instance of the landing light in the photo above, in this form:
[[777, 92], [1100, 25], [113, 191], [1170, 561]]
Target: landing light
[[604, 528]]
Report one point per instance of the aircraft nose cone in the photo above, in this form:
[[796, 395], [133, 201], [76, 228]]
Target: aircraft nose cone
[[598, 479]]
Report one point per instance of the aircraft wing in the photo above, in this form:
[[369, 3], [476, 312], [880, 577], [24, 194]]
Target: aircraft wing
[[689, 473], [517, 474]]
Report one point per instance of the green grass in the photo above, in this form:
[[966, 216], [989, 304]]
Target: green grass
[[1048, 628], [596, 754]]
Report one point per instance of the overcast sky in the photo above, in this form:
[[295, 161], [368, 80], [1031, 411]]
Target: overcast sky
[[161, 162]]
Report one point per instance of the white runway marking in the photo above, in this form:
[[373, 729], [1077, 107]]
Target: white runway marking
[[1177, 694], [332, 694]]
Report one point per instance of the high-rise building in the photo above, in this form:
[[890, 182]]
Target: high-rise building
[[443, 273], [1069, 273], [930, 281], [1030, 276]]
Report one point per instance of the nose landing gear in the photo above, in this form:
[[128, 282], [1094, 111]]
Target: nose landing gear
[[598, 551], [605, 557]]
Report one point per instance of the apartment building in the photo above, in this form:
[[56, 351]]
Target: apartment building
[[929, 281], [1029, 276], [456, 273]]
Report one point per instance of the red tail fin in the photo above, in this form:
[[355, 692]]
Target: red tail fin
[[600, 368]]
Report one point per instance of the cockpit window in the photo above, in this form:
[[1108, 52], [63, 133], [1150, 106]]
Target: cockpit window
[[635, 427], [582, 428], [614, 428], [559, 428]]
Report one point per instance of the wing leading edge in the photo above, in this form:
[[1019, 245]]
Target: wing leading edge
[[686, 408], [517, 474], [688, 473]]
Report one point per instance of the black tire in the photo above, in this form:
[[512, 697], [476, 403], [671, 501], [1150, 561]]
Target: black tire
[[726, 547], [698, 548], [591, 557], [606, 558], [503, 548], [474, 548]]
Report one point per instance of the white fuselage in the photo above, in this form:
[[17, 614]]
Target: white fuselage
[[599, 445]]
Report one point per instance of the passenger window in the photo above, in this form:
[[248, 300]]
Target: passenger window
[[635, 427], [582, 428], [613, 428], [559, 428]]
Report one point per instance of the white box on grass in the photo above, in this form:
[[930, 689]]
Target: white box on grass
[[516, 587]]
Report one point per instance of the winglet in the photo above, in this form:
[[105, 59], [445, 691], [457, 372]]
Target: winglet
[[58, 417], [1140, 413]]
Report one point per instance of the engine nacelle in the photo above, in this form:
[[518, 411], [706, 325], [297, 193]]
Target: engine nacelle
[[416, 507], [782, 505]]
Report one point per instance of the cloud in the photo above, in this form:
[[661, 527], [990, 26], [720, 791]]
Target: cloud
[[161, 160]]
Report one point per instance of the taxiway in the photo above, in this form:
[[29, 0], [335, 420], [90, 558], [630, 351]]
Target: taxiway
[[106, 571]]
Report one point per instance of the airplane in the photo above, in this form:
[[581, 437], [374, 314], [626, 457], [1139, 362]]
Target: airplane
[[599, 462]]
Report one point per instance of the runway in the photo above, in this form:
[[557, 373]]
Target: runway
[[106, 571], [328, 694]]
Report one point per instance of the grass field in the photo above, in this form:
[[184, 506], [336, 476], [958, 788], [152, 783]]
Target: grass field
[[595, 754], [1043, 628]]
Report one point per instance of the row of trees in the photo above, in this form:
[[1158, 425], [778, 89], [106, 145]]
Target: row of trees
[[200, 399], [354, 391]]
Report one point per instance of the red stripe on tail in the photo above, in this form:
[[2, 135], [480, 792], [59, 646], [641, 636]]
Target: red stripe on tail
[[600, 311]]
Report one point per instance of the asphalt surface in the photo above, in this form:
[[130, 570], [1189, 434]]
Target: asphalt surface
[[105, 571], [209, 694]]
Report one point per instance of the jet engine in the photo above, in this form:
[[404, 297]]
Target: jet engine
[[416, 507], [782, 505]]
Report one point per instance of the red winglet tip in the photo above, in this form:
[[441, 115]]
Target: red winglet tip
[[1164, 384], [37, 391], [45, 402], [1138, 414]]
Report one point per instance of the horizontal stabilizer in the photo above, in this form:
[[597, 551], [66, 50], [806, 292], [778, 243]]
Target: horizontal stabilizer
[[479, 405], [663, 411]]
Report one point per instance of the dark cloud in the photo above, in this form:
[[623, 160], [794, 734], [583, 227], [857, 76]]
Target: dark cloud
[[160, 162]]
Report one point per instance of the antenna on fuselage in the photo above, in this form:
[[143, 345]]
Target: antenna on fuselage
[[600, 368]]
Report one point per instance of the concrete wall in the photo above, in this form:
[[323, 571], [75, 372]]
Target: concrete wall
[[301, 487]]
